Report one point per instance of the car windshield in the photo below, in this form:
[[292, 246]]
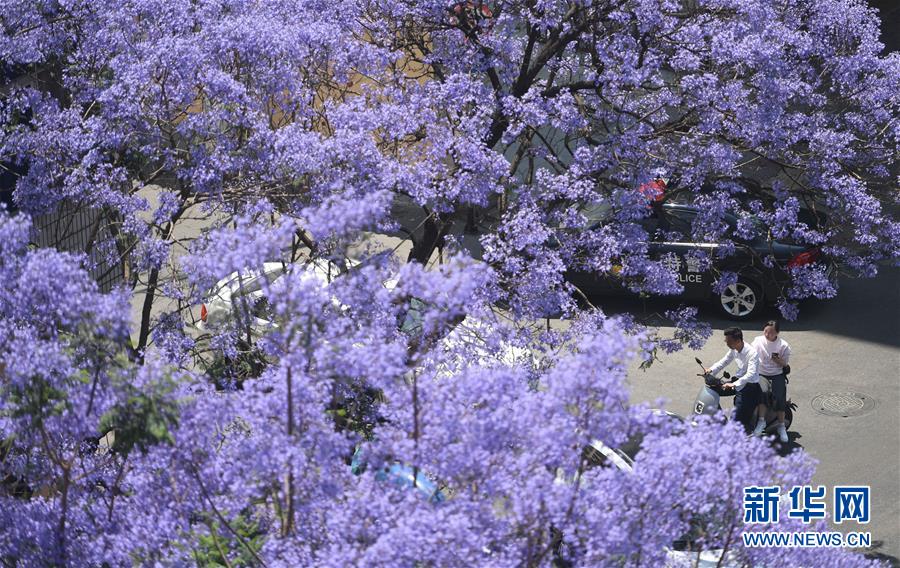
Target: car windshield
[[412, 322], [681, 221], [596, 212], [249, 281], [670, 219], [595, 457], [757, 226], [247, 292], [261, 309]]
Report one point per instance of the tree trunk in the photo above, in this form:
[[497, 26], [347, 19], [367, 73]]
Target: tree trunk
[[435, 231]]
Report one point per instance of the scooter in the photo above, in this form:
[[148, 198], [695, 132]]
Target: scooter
[[709, 397]]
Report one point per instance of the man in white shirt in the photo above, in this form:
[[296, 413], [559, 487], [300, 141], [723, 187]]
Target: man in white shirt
[[746, 381], [774, 355]]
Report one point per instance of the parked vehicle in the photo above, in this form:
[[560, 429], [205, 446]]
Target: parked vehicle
[[240, 296], [404, 476], [682, 552], [708, 400], [670, 228], [622, 457]]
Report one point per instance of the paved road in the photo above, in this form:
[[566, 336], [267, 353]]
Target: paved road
[[850, 344]]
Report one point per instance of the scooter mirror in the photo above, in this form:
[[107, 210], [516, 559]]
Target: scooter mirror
[[699, 362]]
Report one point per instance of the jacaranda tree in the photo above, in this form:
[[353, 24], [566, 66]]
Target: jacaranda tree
[[293, 127]]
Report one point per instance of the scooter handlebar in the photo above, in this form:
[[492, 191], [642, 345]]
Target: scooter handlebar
[[710, 379], [715, 383]]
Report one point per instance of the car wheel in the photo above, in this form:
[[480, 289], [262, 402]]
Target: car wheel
[[741, 300]]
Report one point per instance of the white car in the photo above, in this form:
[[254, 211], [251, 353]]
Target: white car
[[245, 290], [701, 559], [241, 295], [623, 458]]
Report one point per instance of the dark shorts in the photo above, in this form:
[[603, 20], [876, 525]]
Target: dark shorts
[[777, 395]]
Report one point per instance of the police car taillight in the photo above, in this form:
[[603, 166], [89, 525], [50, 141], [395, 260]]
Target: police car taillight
[[804, 258]]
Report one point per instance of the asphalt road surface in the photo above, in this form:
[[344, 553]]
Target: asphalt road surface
[[849, 345]]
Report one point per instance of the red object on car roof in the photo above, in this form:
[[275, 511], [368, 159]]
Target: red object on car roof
[[468, 14], [654, 191]]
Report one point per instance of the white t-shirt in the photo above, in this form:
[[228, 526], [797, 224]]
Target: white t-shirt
[[765, 348]]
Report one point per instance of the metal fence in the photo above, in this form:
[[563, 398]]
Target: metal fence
[[81, 229]]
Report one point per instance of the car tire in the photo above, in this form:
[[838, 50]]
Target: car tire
[[740, 301]]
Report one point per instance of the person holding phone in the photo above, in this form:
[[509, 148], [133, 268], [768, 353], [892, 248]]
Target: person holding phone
[[774, 356]]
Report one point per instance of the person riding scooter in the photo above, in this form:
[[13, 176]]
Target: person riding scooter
[[746, 381], [710, 396], [774, 362]]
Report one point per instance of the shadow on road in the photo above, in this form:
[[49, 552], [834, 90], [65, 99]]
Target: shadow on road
[[792, 446], [873, 553], [864, 309]]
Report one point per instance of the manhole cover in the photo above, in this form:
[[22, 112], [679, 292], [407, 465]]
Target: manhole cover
[[843, 404]]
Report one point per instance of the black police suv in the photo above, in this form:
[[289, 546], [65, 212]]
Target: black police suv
[[757, 285]]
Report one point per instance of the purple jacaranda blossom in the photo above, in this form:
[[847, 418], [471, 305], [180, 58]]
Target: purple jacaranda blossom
[[151, 253], [448, 143], [811, 281], [170, 339], [502, 437], [687, 329], [788, 309], [294, 126], [224, 251], [169, 204], [724, 280]]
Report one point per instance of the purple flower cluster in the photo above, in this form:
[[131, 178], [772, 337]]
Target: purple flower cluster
[[401, 414]]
